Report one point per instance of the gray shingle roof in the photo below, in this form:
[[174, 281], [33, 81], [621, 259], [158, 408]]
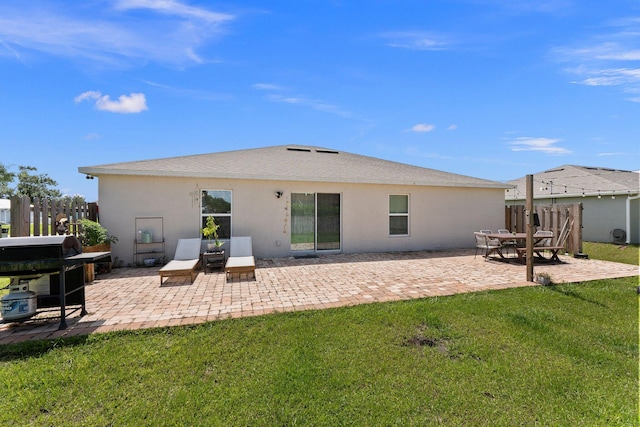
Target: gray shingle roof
[[292, 163], [574, 181]]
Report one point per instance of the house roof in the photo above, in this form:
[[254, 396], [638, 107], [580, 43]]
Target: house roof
[[292, 163], [576, 181]]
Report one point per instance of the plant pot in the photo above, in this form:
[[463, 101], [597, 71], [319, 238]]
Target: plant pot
[[89, 269], [212, 247], [543, 280]]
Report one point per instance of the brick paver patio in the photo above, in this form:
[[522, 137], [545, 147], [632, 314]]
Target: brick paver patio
[[134, 299]]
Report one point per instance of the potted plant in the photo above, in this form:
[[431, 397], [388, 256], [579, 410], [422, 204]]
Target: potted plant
[[210, 230], [91, 233], [543, 278]]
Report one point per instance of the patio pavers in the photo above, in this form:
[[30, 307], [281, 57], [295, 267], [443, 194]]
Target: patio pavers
[[134, 299]]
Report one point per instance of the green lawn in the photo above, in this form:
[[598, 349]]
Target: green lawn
[[561, 355], [628, 254]]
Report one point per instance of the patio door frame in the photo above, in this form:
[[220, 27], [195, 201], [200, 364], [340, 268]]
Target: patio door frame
[[315, 246]]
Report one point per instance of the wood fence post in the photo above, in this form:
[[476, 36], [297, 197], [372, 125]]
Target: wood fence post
[[37, 209], [20, 211], [92, 212], [45, 217]]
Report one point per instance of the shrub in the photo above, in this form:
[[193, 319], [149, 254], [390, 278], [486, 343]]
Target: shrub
[[91, 233]]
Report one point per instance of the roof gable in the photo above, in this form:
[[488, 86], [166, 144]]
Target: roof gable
[[572, 181], [292, 163]]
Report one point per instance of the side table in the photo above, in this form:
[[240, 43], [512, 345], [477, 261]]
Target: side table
[[211, 260]]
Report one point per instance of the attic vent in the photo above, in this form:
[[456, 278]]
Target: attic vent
[[327, 151], [306, 150], [554, 170]]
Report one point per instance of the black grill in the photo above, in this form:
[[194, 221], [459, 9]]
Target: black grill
[[58, 257]]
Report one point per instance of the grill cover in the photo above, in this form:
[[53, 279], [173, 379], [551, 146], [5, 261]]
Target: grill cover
[[25, 255], [59, 257]]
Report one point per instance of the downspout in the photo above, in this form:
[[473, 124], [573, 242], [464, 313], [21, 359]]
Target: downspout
[[628, 203]]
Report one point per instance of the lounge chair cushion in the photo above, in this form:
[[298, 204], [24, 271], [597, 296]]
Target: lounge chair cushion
[[241, 258], [186, 260], [188, 249], [240, 262]]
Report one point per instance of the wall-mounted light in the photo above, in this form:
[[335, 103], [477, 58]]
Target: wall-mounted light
[[278, 194], [89, 176]]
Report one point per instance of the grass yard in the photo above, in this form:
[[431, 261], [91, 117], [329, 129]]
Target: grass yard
[[561, 355], [628, 254]]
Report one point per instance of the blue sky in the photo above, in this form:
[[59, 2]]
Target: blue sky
[[495, 89]]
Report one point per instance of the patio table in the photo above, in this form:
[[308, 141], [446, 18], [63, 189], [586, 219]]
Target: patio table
[[521, 243]]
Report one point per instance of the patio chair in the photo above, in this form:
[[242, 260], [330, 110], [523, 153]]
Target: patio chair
[[484, 243], [494, 242], [241, 258], [185, 261], [545, 245], [543, 238], [508, 244]]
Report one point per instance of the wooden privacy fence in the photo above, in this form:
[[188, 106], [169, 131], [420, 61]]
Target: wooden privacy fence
[[558, 218], [38, 217]]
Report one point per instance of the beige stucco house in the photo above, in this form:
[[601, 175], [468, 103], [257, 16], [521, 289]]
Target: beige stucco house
[[294, 200], [610, 198], [5, 211]]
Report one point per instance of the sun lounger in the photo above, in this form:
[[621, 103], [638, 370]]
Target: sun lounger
[[240, 257], [185, 261]]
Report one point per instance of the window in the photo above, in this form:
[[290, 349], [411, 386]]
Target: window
[[399, 215], [217, 203]]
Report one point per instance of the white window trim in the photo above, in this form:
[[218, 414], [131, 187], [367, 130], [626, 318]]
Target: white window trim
[[400, 215], [204, 215]]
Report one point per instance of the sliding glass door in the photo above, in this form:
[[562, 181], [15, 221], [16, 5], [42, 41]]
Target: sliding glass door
[[303, 221], [315, 221]]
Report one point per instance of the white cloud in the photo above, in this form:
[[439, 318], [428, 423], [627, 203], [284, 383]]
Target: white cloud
[[266, 86], [602, 51], [90, 94], [611, 154], [414, 40], [611, 58], [452, 127], [315, 104], [134, 103], [422, 127], [174, 8], [302, 101], [130, 32], [545, 145], [611, 77]]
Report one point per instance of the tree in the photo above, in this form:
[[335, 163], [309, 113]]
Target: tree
[[33, 185], [6, 178]]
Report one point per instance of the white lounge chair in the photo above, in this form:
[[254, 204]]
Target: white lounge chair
[[240, 257], [185, 262]]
